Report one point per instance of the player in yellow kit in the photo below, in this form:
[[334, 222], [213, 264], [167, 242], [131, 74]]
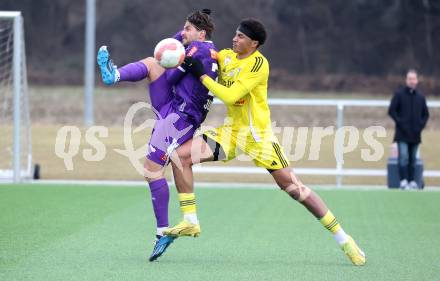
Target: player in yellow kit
[[242, 86]]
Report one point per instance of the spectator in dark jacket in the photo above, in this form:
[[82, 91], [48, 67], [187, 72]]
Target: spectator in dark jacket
[[410, 113]]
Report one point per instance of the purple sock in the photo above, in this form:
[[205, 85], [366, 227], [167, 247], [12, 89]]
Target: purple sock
[[160, 196], [133, 72]]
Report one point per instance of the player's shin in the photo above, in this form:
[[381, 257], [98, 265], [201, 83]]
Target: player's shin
[[330, 223], [133, 72], [317, 207], [160, 198], [188, 207]]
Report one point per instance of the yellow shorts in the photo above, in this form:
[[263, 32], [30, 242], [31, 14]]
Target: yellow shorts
[[266, 153]]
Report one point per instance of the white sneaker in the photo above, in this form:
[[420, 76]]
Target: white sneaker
[[413, 185], [404, 184]]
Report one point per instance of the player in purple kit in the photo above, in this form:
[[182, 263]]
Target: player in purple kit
[[180, 102]]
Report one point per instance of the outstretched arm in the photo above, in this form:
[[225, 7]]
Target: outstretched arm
[[246, 82], [227, 95]]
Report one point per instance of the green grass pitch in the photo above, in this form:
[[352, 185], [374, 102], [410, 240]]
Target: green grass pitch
[[66, 232]]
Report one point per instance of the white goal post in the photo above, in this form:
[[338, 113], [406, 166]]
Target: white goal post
[[15, 133]]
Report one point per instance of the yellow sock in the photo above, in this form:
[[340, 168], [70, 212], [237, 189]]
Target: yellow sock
[[329, 221], [188, 207]]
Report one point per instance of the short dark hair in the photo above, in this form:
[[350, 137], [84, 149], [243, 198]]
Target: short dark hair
[[202, 21], [254, 29]]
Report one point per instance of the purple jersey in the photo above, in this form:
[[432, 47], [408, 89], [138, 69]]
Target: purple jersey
[[191, 98], [181, 101]]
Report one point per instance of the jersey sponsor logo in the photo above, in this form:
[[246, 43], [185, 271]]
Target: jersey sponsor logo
[[214, 55], [227, 83], [257, 65], [192, 51]]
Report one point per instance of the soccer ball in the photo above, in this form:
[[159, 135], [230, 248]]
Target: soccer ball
[[169, 53]]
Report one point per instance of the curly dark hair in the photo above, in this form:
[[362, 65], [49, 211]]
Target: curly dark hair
[[202, 21]]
